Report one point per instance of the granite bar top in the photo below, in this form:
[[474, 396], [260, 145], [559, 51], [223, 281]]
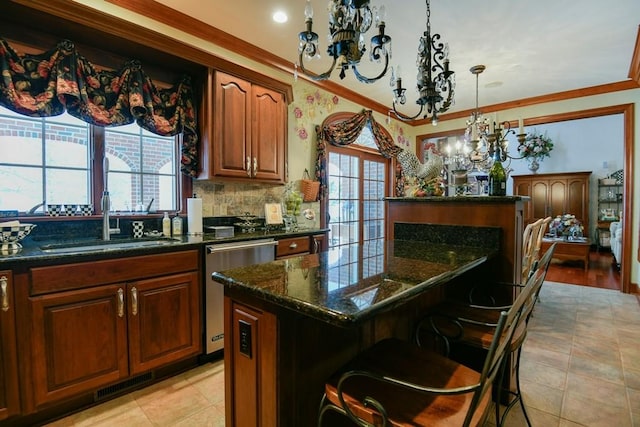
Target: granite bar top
[[323, 286]]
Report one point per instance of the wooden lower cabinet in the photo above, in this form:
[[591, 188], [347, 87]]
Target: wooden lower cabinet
[[97, 334], [250, 366], [9, 392]]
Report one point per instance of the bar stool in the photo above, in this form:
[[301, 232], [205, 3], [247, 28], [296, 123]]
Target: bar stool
[[398, 383], [473, 325]]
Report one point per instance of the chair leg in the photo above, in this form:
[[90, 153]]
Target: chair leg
[[517, 395]]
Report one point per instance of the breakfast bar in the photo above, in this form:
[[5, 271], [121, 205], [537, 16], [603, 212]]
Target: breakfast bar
[[289, 324]]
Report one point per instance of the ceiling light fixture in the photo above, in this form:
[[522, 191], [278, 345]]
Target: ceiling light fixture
[[484, 136], [349, 20], [280, 17], [435, 91]]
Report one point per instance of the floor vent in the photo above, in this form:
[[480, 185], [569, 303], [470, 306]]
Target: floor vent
[[125, 385]]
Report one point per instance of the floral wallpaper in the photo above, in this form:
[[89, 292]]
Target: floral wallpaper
[[313, 107]]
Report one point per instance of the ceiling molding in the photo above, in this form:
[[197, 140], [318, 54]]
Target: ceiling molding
[[165, 15]]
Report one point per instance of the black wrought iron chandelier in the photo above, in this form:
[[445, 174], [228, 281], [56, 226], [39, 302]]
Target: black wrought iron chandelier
[[349, 20], [435, 81]]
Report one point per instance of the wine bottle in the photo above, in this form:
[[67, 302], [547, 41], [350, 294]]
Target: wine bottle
[[497, 176]]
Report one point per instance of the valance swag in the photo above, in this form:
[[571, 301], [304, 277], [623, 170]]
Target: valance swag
[[46, 84], [344, 133]]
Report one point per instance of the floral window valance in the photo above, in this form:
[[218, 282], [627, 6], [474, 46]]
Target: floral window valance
[[61, 79], [346, 132]]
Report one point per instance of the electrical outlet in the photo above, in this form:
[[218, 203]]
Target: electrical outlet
[[245, 338]]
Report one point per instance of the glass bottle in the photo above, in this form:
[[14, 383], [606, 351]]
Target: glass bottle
[[497, 175]]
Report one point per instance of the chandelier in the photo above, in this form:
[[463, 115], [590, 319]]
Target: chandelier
[[349, 20], [484, 137], [435, 81]]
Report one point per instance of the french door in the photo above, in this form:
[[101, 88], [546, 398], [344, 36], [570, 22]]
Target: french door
[[357, 182]]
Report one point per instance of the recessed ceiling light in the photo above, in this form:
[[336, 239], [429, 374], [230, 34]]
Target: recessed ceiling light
[[280, 17]]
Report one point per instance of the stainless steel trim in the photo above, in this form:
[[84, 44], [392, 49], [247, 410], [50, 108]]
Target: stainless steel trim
[[225, 247]]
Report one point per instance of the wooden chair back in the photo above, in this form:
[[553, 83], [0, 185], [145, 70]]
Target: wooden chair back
[[529, 242]]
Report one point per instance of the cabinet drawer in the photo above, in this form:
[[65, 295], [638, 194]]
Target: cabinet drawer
[[292, 246], [85, 274]]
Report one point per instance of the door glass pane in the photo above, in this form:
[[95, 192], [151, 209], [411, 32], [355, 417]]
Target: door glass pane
[[355, 215]]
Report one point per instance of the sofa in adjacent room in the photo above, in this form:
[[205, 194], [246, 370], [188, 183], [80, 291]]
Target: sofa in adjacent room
[[615, 229]]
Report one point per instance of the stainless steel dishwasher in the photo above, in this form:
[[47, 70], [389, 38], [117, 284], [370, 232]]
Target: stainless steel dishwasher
[[222, 257]]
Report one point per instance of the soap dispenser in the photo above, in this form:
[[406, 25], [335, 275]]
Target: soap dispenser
[[166, 225], [177, 225]]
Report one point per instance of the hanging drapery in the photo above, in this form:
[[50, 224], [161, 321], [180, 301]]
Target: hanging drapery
[[61, 79], [344, 133]]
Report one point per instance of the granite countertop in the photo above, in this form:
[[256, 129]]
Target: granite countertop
[[71, 249], [321, 285]]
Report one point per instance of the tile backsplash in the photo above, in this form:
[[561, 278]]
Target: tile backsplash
[[234, 198]]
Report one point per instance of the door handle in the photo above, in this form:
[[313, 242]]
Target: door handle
[[120, 302], [248, 165], [4, 284], [134, 301]]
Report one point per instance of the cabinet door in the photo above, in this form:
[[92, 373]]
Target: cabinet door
[[79, 341], [557, 197], [164, 320], [232, 126], [539, 199], [268, 134], [9, 394], [577, 200], [522, 187]]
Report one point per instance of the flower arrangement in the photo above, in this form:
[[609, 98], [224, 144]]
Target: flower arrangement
[[536, 146], [566, 225]]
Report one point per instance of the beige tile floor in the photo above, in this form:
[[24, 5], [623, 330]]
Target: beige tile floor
[[580, 367]]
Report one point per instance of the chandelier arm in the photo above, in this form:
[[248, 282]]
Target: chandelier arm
[[312, 76], [404, 117], [365, 79]]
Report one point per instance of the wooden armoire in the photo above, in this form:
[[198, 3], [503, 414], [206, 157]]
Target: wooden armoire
[[554, 194]]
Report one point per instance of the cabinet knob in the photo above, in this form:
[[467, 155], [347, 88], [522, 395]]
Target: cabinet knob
[[4, 285], [248, 166]]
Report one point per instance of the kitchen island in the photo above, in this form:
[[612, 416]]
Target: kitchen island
[[291, 323]]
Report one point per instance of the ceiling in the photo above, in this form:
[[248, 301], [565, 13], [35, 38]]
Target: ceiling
[[529, 48]]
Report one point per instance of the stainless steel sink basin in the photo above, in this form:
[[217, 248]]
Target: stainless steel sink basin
[[102, 246]]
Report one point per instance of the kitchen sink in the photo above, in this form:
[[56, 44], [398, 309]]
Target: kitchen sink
[[103, 246]]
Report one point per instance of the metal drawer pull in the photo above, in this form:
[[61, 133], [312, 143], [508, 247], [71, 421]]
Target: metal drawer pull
[[134, 301], [248, 165], [4, 283], [293, 245], [120, 303], [255, 166]]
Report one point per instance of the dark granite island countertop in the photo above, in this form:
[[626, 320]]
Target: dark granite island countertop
[[322, 287], [289, 324]]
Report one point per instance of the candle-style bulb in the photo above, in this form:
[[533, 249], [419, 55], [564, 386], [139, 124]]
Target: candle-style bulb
[[308, 10]]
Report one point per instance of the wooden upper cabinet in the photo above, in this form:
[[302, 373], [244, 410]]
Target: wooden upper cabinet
[[555, 194], [245, 135]]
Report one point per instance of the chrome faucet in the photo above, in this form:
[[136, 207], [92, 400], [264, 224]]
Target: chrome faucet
[[107, 231], [105, 204]]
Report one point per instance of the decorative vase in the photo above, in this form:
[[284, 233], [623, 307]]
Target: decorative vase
[[534, 165]]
